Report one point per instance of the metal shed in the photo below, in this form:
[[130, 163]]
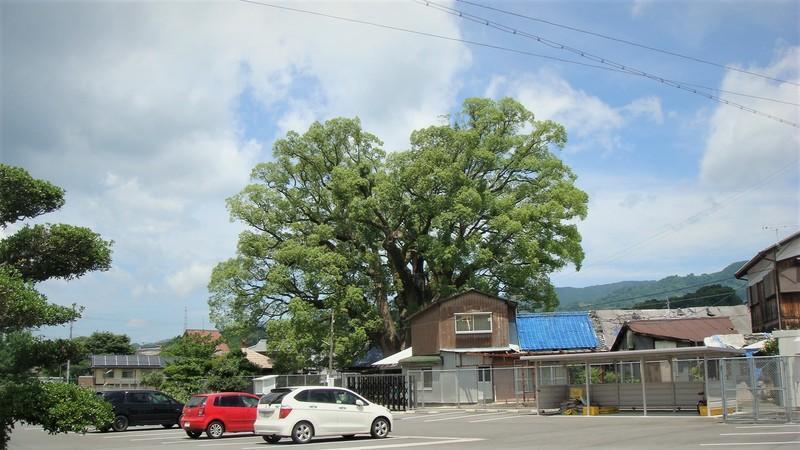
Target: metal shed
[[672, 379]]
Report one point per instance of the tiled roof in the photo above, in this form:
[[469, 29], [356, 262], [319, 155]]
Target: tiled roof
[[127, 361], [221, 348], [555, 331], [693, 329]]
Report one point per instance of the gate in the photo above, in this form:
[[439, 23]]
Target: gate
[[758, 388], [389, 390]]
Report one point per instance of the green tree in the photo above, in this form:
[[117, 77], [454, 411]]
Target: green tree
[[713, 295], [337, 226], [31, 255], [193, 367], [98, 343]]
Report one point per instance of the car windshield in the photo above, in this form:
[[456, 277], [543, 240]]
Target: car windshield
[[274, 396], [196, 401]]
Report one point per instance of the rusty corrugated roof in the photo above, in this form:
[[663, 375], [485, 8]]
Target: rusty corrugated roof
[[693, 329]]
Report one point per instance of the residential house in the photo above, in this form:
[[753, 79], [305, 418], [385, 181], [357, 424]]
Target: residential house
[[122, 371], [609, 322], [257, 355], [773, 285], [467, 330], [221, 349], [670, 333]]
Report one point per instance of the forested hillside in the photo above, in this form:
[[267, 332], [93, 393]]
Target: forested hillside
[[624, 294]]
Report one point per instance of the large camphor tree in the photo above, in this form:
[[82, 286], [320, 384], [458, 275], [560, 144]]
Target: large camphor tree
[[30, 255], [338, 229]]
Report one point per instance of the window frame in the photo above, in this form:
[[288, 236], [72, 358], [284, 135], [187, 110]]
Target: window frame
[[429, 371], [473, 331], [484, 374]]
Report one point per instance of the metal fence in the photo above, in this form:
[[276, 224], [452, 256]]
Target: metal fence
[[751, 389], [760, 388]]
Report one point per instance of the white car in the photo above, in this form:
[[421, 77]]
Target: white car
[[307, 411]]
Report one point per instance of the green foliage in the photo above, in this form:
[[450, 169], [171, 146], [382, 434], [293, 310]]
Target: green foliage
[[33, 254], [623, 294], [714, 295], [68, 407], [770, 347], [41, 252], [192, 367], [106, 343], [337, 225], [23, 197], [23, 307]]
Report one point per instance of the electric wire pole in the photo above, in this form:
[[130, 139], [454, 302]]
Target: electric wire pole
[[72, 321]]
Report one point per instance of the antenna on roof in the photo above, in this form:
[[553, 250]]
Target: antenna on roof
[[777, 230]]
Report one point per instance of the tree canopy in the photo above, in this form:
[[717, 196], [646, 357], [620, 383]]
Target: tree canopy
[[713, 295], [338, 227], [31, 255]]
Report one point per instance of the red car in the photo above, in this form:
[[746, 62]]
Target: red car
[[219, 412]]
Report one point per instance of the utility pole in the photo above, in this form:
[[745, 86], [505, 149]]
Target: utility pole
[[330, 353], [70, 336], [777, 278], [185, 318]]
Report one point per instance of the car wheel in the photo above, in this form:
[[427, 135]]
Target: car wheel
[[272, 438], [349, 436], [167, 425], [215, 429], [302, 432], [120, 423], [193, 434], [104, 429], [380, 428]]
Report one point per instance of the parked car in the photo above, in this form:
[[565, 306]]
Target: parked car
[[304, 412], [217, 413], [142, 407]]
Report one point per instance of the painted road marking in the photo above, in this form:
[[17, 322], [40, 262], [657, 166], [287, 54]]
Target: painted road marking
[[439, 441], [141, 433], [741, 444], [769, 426], [755, 433], [325, 440], [430, 415], [457, 417], [510, 416]]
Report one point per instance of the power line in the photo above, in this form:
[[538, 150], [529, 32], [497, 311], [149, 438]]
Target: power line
[[426, 34], [598, 59], [621, 69], [708, 283], [628, 42]]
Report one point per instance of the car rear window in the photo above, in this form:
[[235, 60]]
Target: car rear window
[[196, 401], [274, 396]]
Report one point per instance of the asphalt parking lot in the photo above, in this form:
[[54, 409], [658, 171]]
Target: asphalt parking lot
[[462, 429]]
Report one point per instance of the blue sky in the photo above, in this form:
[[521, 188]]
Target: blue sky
[[151, 114]]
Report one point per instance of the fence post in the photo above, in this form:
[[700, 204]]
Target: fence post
[[705, 385], [458, 391], [722, 371], [751, 364], [786, 388]]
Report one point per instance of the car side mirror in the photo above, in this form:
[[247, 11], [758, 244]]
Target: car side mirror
[[360, 402]]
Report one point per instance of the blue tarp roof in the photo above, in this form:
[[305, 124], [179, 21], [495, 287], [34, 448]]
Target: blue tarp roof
[[555, 331]]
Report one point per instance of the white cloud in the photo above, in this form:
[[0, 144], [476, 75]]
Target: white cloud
[[136, 323], [647, 107], [134, 108], [189, 279], [742, 148], [639, 6], [590, 121]]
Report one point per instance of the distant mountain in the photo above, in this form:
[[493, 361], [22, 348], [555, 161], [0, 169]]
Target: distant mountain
[[623, 294]]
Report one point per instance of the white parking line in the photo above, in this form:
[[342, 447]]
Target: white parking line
[[429, 415], [439, 441], [143, 433], [456, 417], [509, 416], [770, 426], [756, 433], [325, 441], [742, 444]]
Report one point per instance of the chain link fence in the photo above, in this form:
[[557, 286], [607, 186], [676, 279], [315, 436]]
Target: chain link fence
[[760, 388]]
